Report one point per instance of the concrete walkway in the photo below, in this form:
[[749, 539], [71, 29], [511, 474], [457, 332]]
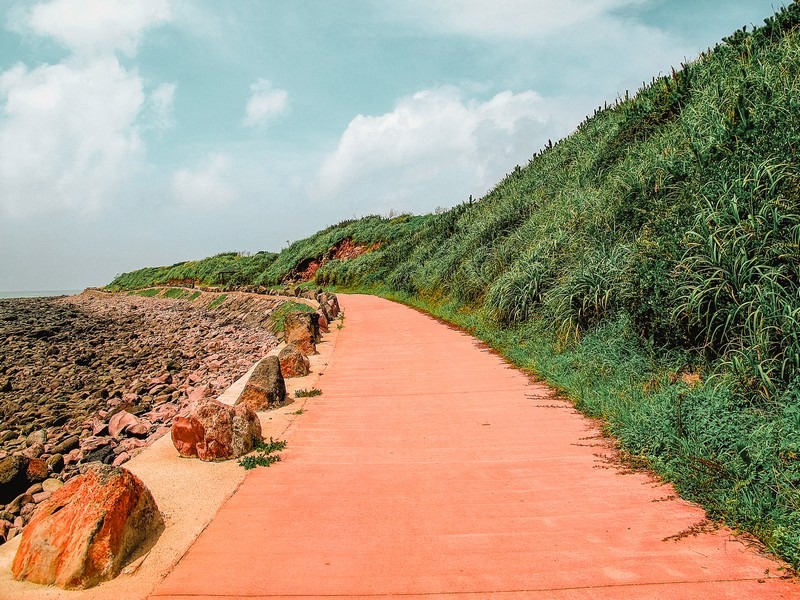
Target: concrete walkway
[[429, 469]]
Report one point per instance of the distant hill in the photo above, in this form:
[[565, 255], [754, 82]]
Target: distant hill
[[648, 265]]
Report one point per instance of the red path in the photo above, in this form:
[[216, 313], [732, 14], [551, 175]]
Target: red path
[[430, 469]]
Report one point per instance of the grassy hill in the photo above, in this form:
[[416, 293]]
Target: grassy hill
[[648, 266]]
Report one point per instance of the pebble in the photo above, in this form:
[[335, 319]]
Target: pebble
[[51, 485]]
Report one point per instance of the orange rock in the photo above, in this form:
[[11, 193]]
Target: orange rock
[[215, 431], [37, 470], [302, 329], [293, 362], [87, 530]]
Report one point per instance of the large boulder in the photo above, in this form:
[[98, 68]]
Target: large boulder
[[329, 304], [215, 431], [266, 387], [302, 329], [88, 530], [293, 362], [322, 322]]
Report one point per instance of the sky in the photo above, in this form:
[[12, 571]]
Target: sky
[[146, 132]]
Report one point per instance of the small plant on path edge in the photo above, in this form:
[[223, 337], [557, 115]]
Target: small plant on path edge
[[304, 393], [265, 454]]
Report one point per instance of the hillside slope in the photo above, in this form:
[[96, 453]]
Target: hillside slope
[[648, 265]]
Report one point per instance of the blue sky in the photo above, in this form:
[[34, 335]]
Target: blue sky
[[145, 132]]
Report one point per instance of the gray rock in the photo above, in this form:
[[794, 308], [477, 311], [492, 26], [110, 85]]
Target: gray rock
[[266, 387]]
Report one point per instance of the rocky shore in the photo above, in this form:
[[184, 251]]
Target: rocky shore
[[97, 377]]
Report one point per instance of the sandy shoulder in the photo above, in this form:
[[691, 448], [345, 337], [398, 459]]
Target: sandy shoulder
[[188, 492]]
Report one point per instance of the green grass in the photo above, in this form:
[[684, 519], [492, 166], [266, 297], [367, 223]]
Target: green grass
[[218, 301], [149, 293], [194, 296], [307, 393], [225, 268], [279, 315], [661, 238], [265, 454], [176, 293]]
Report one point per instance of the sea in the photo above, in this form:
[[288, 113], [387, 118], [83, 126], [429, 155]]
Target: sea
[[39, 294]]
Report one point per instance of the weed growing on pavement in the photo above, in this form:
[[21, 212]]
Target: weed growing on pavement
[[265, 454]]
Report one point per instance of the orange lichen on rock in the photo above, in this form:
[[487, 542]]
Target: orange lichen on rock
[[87, 530]]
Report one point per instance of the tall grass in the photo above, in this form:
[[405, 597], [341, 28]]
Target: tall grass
[[660, 240]]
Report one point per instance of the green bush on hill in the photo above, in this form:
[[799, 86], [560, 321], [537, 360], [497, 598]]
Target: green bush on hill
[[658, 244]]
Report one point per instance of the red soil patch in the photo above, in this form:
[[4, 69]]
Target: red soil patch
[[346, 249]]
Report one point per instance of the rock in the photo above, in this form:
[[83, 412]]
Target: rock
[[199, 393], [293, 363], [41, 496], [4, 527], [13, 479], [266, 387], [17, 503], [87, 530], [56, 463], [37, 437], [215, 431], [34, 489], [121, 458], [323, 322], [37, 470], [68, 444], [101, 454], [120, 422], [333, 302], [99, 427], [33, 451], [51, 485], [27, 510], [302, 329], [73, 456], [141, 429]]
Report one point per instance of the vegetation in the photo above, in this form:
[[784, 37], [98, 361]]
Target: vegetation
[[647, 266], [226, 268], [176, 293], [307, 393], [264, 454], [279, 315], [218, 301], [148, 293]]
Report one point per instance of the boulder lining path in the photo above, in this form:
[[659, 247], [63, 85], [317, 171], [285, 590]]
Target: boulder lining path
[[429, 468]]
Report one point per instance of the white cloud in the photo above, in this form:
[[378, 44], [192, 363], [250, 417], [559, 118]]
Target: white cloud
[[67, 135], [208, 186], [503, 18], [160, 110], [435, 148], [98, 26], [70, 132], [265, 103]]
